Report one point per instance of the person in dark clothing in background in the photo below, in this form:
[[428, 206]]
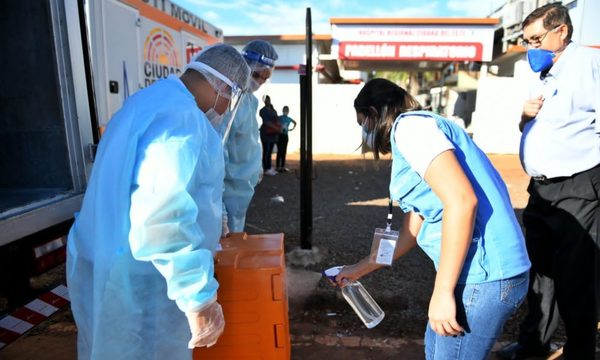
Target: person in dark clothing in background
[[269, 134]]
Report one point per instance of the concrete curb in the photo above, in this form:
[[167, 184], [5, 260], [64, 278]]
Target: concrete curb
[[353, 341], [385, 342]]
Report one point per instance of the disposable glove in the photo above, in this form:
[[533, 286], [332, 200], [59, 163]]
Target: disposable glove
[[206, 325], [224, 227]]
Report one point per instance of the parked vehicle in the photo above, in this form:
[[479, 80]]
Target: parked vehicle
[[66, 67]]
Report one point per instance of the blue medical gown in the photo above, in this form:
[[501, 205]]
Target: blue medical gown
[[243, 166], [140, 252]]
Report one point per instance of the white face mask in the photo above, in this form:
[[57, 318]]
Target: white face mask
[[214, 118], [253, 85]]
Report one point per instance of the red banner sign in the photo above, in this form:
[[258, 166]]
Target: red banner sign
[[410, 51]]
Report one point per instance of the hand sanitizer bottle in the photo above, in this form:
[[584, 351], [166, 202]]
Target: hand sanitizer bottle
[[359, 299]]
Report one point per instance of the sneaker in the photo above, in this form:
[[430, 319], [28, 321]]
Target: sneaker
[[270, 172], [284, 169]]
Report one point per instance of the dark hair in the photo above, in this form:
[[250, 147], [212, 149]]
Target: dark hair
[[285, 108], [381, 101], [554, 14]]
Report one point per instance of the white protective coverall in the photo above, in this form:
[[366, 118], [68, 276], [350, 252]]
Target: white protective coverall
[[140, 252], [243, 166]]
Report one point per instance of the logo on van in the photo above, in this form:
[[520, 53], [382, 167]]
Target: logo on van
[[161, 56]]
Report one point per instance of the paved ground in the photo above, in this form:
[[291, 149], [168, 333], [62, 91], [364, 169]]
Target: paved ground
[[349, 200]]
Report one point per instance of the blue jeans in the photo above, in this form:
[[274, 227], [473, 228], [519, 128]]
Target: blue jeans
[[482, 310]]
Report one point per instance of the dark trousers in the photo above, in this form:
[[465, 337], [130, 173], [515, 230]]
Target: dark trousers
[[282, 143], [268, 143], [562, 226]]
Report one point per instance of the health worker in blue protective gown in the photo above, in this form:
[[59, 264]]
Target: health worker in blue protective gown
[[140, 253], [243, 151]]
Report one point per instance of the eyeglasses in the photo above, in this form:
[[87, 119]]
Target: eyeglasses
[[536, 40]]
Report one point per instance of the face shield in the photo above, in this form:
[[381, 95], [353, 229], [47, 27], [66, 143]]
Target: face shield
[[226, 89], [225, 125], [261, 68], [228, 116], [234, 95], [253, 56]]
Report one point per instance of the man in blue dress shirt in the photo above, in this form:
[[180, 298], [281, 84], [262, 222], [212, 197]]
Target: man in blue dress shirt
[[560, 150]]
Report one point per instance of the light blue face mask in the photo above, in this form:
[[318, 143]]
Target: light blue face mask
[[540, 59], [368, 137]]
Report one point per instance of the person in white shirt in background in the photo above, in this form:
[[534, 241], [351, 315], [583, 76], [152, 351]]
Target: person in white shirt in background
[[560, 150]]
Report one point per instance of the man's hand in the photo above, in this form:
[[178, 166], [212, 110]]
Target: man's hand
[[530, 110], [206, 325], [224, 227]]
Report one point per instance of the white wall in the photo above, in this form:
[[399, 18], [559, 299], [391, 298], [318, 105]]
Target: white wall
[[585, 22], [335, 130], [281, 76], [498, 107]]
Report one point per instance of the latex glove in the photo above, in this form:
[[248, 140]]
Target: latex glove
[[206, 325], [224, 227]]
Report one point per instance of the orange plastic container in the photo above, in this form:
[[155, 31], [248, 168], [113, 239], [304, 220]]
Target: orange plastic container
[[252, 290]]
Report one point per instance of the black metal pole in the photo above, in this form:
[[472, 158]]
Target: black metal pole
[[302, 79], [85, 45], [306, 143]]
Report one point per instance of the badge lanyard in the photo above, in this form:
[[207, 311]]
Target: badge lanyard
[[384, 241]]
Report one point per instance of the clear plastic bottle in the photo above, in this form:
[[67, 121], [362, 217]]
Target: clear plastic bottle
[[363, 304]]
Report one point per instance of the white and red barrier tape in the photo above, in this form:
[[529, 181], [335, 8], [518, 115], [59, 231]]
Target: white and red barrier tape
[[25, 318]]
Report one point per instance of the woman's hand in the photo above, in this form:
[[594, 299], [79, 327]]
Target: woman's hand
[[349, 273], [450, 183], [442, 314], [354, 272]]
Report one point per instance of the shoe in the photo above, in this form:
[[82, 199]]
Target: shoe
[[284, 169], [516, 351], [270, 172]]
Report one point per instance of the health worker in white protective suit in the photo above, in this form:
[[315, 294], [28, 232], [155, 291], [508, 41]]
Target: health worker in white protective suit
[[140, 253], [243, 150]]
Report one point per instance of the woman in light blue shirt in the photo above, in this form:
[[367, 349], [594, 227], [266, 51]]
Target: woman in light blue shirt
[[282, 142], [457, 209]]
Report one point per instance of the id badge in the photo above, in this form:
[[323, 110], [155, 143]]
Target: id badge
[[384, 244]]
